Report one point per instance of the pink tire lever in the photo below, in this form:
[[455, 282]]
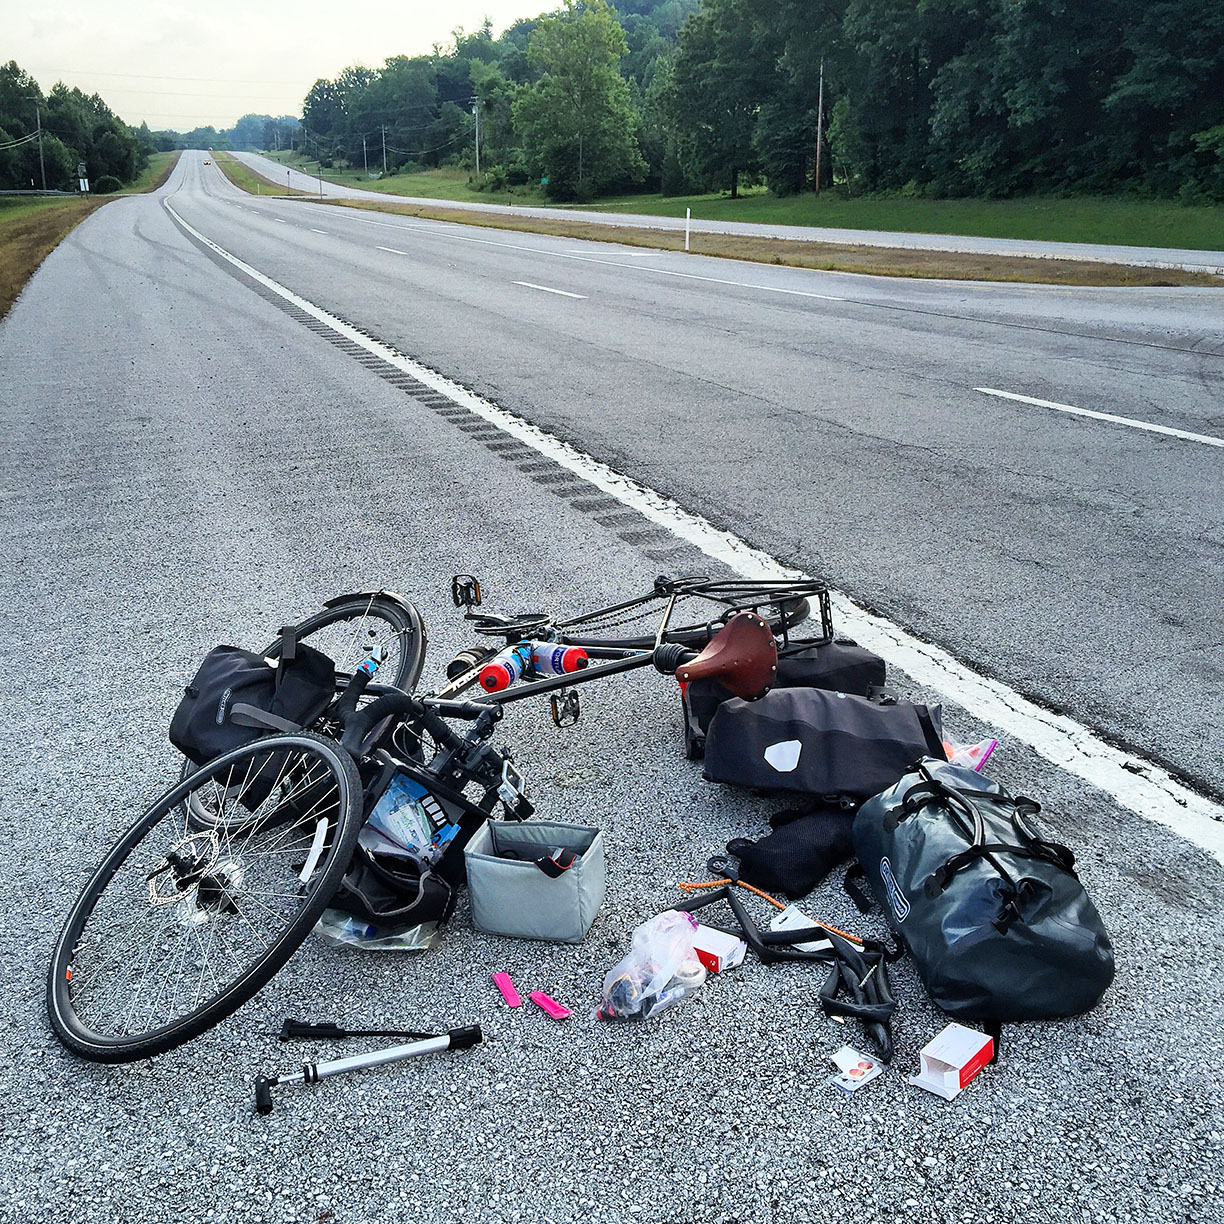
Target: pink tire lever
[[551, 1006], [506, 986]]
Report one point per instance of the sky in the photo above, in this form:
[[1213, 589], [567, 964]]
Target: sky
[[185, 65]]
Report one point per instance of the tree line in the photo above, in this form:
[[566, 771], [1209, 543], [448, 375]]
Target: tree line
[[940, 97], [76, 128], [80, 128]]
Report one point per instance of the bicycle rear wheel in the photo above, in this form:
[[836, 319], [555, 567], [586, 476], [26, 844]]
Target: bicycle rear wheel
[[346, 628], [702, 607], [182, 923]]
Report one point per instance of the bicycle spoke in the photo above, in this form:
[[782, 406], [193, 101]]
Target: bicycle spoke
[[203, 900]]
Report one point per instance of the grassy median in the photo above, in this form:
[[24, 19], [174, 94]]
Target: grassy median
[[826, 257]]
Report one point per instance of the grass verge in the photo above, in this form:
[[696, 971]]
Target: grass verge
[[1108, 220], [446, 183], [155, 174], [1103, 220], [243, 177], [826, 257], [32, 227], [29, 231]]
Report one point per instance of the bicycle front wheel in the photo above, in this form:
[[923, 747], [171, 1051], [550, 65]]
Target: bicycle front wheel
[[346, 628], [184, 922]]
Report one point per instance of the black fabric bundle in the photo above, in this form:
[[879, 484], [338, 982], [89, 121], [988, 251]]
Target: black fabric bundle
[[805, 845]]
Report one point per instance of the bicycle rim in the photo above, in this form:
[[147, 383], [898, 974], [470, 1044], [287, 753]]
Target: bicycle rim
[[347, 628], [181, 924]]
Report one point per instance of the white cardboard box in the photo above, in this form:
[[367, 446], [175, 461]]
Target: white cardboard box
[[717, 950], [951, 1059]]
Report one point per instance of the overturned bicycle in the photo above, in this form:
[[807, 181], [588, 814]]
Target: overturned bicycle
[[290, 753], [288, 750]]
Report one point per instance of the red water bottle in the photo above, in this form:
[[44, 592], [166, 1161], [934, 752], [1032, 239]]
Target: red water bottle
[[550, 659], [501, 672]]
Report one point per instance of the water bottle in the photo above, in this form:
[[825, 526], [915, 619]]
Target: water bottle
[[549, 659], [505, 669]]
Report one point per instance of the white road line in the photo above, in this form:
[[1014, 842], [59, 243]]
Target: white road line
[[546, 289], [1205, 439], [393, 251], [1136, 784], [280, 220], [447, 226], [315, 231]]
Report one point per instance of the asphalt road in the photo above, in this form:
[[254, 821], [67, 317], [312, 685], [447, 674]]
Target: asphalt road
[[834, 421], [1152, 257], [186, 463]]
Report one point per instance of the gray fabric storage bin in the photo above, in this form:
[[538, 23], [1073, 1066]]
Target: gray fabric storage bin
[[514, 897]]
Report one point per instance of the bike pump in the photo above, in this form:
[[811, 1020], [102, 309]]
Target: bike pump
[[311, 1073]]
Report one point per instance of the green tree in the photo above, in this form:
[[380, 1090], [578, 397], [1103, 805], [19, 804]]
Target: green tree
[[721, 75], [577, 122]]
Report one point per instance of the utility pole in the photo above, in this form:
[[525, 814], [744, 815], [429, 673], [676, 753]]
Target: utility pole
[[41, 164], [384, 140], [476, 112], [819, 123], [365, 161]]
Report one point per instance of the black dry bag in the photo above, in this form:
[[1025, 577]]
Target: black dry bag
[[998, 924], [237, 696]]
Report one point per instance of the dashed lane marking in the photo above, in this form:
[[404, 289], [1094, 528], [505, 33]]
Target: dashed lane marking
[[546, 289], [1185, 434]]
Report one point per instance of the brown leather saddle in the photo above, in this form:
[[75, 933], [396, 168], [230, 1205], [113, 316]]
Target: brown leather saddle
[[742, 656]]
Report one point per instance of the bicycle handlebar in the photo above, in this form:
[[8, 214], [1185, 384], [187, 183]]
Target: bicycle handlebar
[[358, 724]]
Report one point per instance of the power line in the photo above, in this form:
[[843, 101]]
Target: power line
[[144, 76]]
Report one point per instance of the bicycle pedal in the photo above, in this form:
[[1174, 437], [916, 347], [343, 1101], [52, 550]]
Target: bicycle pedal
[[566, 707], [465, 591]]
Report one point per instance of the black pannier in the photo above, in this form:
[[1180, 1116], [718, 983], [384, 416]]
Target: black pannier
[[998, 924], [819, 743], [237, 696], [841, 667]]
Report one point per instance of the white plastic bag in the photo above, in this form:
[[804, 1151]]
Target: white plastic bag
[[660, 970]]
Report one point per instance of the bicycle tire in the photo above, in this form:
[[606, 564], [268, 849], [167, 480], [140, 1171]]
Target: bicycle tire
[[783, 613], [235, 890], [344, 628]]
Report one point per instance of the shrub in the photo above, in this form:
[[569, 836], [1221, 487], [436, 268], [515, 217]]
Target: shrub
[[106, 184]]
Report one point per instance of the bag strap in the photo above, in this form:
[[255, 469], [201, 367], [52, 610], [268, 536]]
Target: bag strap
[[243, 714], [933, 739], [862, 902]]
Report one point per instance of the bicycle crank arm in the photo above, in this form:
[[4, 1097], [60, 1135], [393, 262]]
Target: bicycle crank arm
[[311, 1073]]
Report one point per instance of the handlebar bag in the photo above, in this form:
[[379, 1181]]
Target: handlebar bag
[[998, 923], [237, 696], [841, 666], [818, 742]]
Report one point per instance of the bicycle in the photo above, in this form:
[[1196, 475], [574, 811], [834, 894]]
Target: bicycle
[[210, 892]]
